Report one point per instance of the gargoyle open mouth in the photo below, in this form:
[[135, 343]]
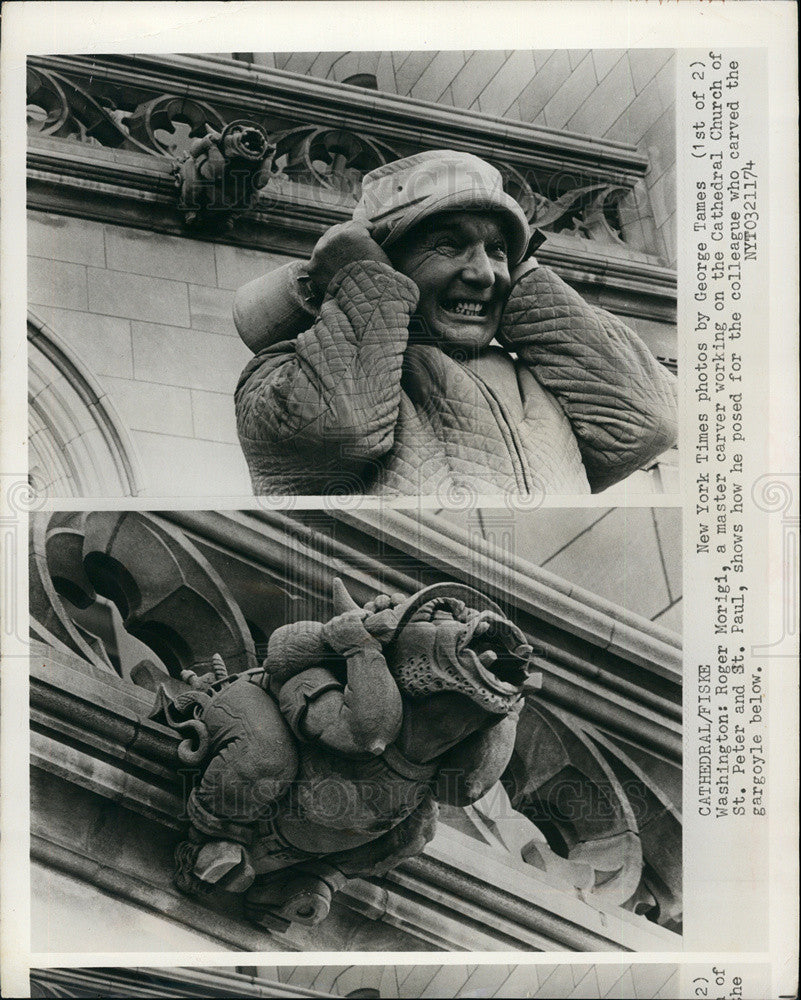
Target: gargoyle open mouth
[[447, 646], [497, 650]]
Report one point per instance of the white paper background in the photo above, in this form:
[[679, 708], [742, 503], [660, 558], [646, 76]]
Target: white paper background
[[720, 905]]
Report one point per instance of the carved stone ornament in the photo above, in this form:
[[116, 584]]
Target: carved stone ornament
[[329, 761], [328, 749], [221, 173], [590, 212], [223, 161], [333, 158]]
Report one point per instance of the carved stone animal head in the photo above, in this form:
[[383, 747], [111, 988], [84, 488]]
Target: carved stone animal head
[[451, 638], [245, 141], [446, 637]]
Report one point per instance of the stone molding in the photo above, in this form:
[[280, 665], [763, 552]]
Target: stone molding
[[78, 444], [109, 132], [249, 89], [160, 983]]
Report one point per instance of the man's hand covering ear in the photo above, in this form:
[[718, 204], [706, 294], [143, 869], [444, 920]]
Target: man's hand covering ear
[[341, 244]]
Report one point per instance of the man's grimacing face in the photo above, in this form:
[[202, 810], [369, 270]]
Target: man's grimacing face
[[458, 260]]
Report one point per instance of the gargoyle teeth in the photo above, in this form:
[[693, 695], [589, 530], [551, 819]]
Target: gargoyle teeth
[[481, 628], [523, 651], [487, 658]]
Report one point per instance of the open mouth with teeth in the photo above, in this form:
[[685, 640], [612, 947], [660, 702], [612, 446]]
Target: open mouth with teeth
[[499, 653], [448, 647], [466, 308]]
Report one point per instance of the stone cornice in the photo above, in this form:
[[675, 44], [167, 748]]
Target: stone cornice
[[131, 181], [550, 596], [131, 188], [252, 89], [159, 983]]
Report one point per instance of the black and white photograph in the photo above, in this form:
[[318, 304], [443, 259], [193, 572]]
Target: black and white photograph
[[374, 732], [615, 982], [388, 273], [398, 505]]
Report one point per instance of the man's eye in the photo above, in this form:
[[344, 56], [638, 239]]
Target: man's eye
[[446, 244], [497, 250]]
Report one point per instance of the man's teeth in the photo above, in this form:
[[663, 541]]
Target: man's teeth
[[465, 308]]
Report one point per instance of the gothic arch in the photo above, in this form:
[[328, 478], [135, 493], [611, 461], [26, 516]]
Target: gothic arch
[[77, 443]]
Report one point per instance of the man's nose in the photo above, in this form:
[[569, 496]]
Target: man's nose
[[478, 269]]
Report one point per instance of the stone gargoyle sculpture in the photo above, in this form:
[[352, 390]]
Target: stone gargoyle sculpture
[[221, 172], [329, 761]]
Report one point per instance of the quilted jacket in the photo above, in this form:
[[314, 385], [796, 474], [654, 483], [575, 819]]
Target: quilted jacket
[[571, 402]]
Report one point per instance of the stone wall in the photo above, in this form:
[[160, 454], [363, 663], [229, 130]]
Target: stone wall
[[150, 315]]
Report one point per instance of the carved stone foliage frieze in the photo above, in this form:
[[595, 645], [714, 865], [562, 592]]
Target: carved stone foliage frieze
[[328, 749], [332, 158], [229, 158]]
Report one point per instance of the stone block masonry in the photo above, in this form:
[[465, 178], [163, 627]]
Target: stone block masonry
[[150, 316]]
